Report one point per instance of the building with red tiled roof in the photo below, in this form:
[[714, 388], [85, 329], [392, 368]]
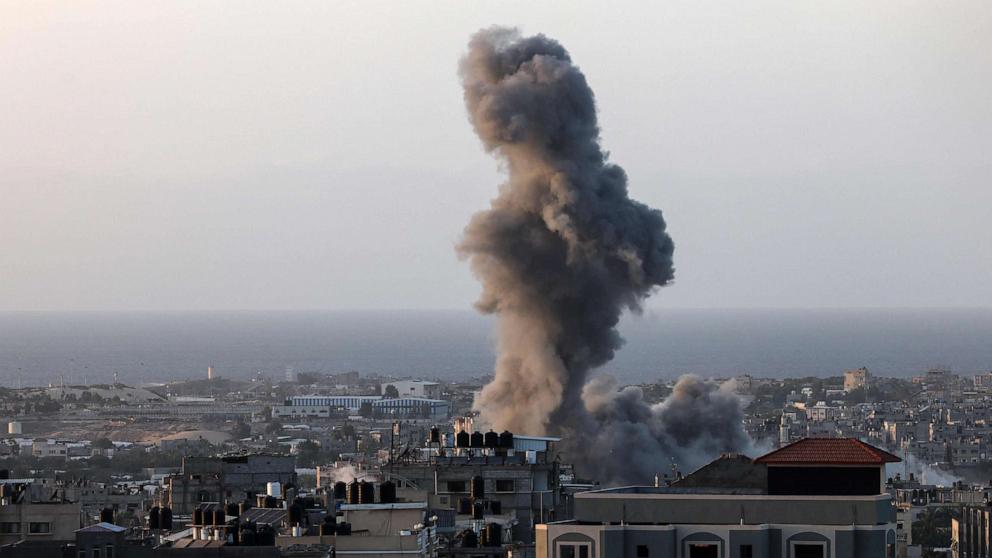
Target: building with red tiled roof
[[827, 466], [816, 498], [828, 451]]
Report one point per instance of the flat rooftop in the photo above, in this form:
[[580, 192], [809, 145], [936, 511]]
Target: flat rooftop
[[692, 506]]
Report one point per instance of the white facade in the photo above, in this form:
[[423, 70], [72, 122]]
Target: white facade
[[321, 405], [415, 388]]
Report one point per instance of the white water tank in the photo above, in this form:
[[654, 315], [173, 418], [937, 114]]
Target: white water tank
[[273, 489], [14, 427]]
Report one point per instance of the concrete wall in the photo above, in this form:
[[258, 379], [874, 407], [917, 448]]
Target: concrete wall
[[723, 509], [670, 541], [62, 520]]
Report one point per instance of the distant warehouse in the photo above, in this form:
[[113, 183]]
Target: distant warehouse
[[324, 406]]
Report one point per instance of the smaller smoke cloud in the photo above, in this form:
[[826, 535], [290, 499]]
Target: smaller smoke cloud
[[344, 473], [625, 440], [924, 472]]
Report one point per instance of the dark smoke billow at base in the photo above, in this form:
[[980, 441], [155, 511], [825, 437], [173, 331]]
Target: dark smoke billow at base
[[562, 252]]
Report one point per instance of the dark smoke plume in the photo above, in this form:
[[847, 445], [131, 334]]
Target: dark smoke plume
[[561, 254]]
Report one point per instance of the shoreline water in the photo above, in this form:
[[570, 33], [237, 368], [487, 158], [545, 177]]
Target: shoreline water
[[37, 347]]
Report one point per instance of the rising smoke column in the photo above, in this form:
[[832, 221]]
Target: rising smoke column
[[562, 252]]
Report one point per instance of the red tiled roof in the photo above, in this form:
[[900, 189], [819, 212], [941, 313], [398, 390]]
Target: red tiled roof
[[828, 451]]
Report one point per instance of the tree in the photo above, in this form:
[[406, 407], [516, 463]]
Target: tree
[[273, 427], [348, 431], [932, 529], [365, 410], [390, 392], [307, 453]]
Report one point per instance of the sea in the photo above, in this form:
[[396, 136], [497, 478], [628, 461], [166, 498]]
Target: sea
[[41, 348]]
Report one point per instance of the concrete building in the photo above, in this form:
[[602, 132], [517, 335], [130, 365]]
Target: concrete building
[[970, 535], [100, 540], [815, 498], [42, 447], [519, 477], [30, 511], [323, 406], [415, 388], [226, 479], [854, 379]]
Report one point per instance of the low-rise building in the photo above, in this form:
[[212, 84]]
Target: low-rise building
[[414, 388], [815, 498]]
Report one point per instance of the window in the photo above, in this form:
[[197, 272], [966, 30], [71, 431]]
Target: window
[[747, 551], [504, 485], [704, 550], [110, 551], [39, 528], [809, 551], [95, 553], [8, 527], [642, 551], [456, 486], [574, 550]]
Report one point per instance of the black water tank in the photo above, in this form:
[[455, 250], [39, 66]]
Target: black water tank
[[366, 493], [328, 527], [478, 487], [435, 437], [219, 518], [353, 491], [153, 518], [506, 440], [478, 510], [340, 490], [165, 518], [248, 535], [266, 536], [232, 509], [463, 439], [107, 515], [477, 440], [469, 539], [6, 491], [295, 514], [492, 439], [387, 492], [271, 502], [492, 535], [495, 507]]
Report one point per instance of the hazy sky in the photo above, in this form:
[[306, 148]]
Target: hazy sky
[[247, 155]]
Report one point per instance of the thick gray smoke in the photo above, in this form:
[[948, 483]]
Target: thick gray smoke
[[561, 254]]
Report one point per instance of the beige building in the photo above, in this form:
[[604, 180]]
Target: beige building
[[854, 379]]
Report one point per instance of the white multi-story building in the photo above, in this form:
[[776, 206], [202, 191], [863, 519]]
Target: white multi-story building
[[320, 406], [415, 388]]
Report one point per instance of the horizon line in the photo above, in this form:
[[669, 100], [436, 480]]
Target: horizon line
[[648, 310]]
